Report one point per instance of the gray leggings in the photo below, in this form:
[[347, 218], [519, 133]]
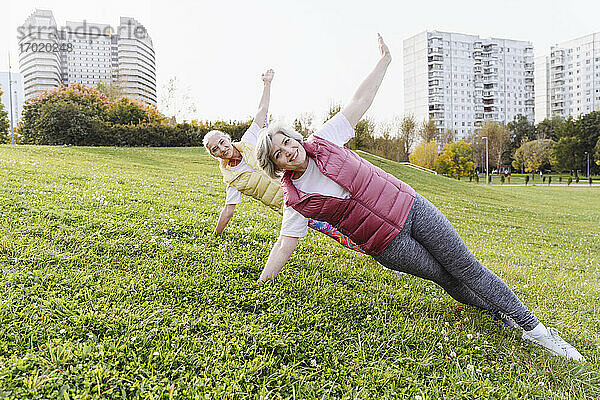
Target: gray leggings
[[429, 247]]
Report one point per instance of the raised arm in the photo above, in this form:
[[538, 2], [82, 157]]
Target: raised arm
[[263, 107], [363, 98], [280, 253]]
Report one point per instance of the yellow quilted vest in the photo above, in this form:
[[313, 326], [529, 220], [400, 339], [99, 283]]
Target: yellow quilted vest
[[255, 183]]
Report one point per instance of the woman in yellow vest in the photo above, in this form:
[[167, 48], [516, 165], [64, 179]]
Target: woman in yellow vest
[[242, 174]]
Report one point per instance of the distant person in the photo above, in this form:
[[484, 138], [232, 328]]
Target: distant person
[[383, 215], [242, 175]]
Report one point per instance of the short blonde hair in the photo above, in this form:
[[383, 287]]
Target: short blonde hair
[[210, 134], [265, 142]]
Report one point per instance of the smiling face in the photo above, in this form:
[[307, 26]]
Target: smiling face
[[220, 146], [287, 153]]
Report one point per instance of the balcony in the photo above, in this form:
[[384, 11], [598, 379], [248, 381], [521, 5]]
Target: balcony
[[436, 100]]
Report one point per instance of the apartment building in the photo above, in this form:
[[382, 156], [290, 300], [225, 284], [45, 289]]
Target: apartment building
[[568, 79], [460, 81], [86, 53]]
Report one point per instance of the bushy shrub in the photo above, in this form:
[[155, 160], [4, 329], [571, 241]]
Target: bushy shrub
[[456, 160], [526, 179], [82, 116], [570, 181], [502, 178], [57, 116]]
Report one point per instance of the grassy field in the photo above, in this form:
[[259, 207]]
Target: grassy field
[[112, 286]]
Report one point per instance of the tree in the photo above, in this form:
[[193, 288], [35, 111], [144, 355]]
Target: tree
[[428, 131], [4, 122], [448, 136], [125, 112], [498, 137], [407, 132], [425, 155], [175, 102], [521, 131], [39, 125], [568, 151], [63, 122], [456, 160], [597, 154], [386, 145], [334, 108], [363, 136], [112, 90], [549, 128], [303, 124], [535, 155], [588, 131]]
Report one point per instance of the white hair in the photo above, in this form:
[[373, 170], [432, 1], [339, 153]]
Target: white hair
[[265, 142], [211, 134]]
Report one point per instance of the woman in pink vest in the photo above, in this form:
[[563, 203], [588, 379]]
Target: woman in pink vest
[[383, 215], [219, 145]]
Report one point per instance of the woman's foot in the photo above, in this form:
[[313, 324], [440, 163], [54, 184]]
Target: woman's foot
[[550, 340]]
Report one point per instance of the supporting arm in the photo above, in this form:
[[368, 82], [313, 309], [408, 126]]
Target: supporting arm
[[226, 214], [281, 252]]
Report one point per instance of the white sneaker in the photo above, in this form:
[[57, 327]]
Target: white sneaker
[[556, 345]]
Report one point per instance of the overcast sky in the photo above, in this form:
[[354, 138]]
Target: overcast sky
[[320, 50]]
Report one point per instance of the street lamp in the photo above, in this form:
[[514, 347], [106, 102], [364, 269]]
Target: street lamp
[[487, 161], [12, 115], [588, 165]]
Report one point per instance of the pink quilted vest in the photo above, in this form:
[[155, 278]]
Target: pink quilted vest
[[378, 205]]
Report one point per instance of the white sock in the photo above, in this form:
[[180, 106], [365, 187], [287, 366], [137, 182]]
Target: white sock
[[539, 330]]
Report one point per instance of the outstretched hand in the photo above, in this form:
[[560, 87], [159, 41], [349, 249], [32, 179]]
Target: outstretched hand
[[383, 49], [267, 77]]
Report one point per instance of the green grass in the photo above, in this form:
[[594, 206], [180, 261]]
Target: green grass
[[112, 286]]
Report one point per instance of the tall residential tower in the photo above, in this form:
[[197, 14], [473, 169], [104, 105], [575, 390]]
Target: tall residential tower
[[86, 53], [460, 81], [568, 79]]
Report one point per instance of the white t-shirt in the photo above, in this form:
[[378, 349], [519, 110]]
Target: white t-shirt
[[338, 131], [232, 195]]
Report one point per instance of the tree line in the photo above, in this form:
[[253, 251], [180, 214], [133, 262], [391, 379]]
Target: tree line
[[552, 145], [80, 115], [86, 116]]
